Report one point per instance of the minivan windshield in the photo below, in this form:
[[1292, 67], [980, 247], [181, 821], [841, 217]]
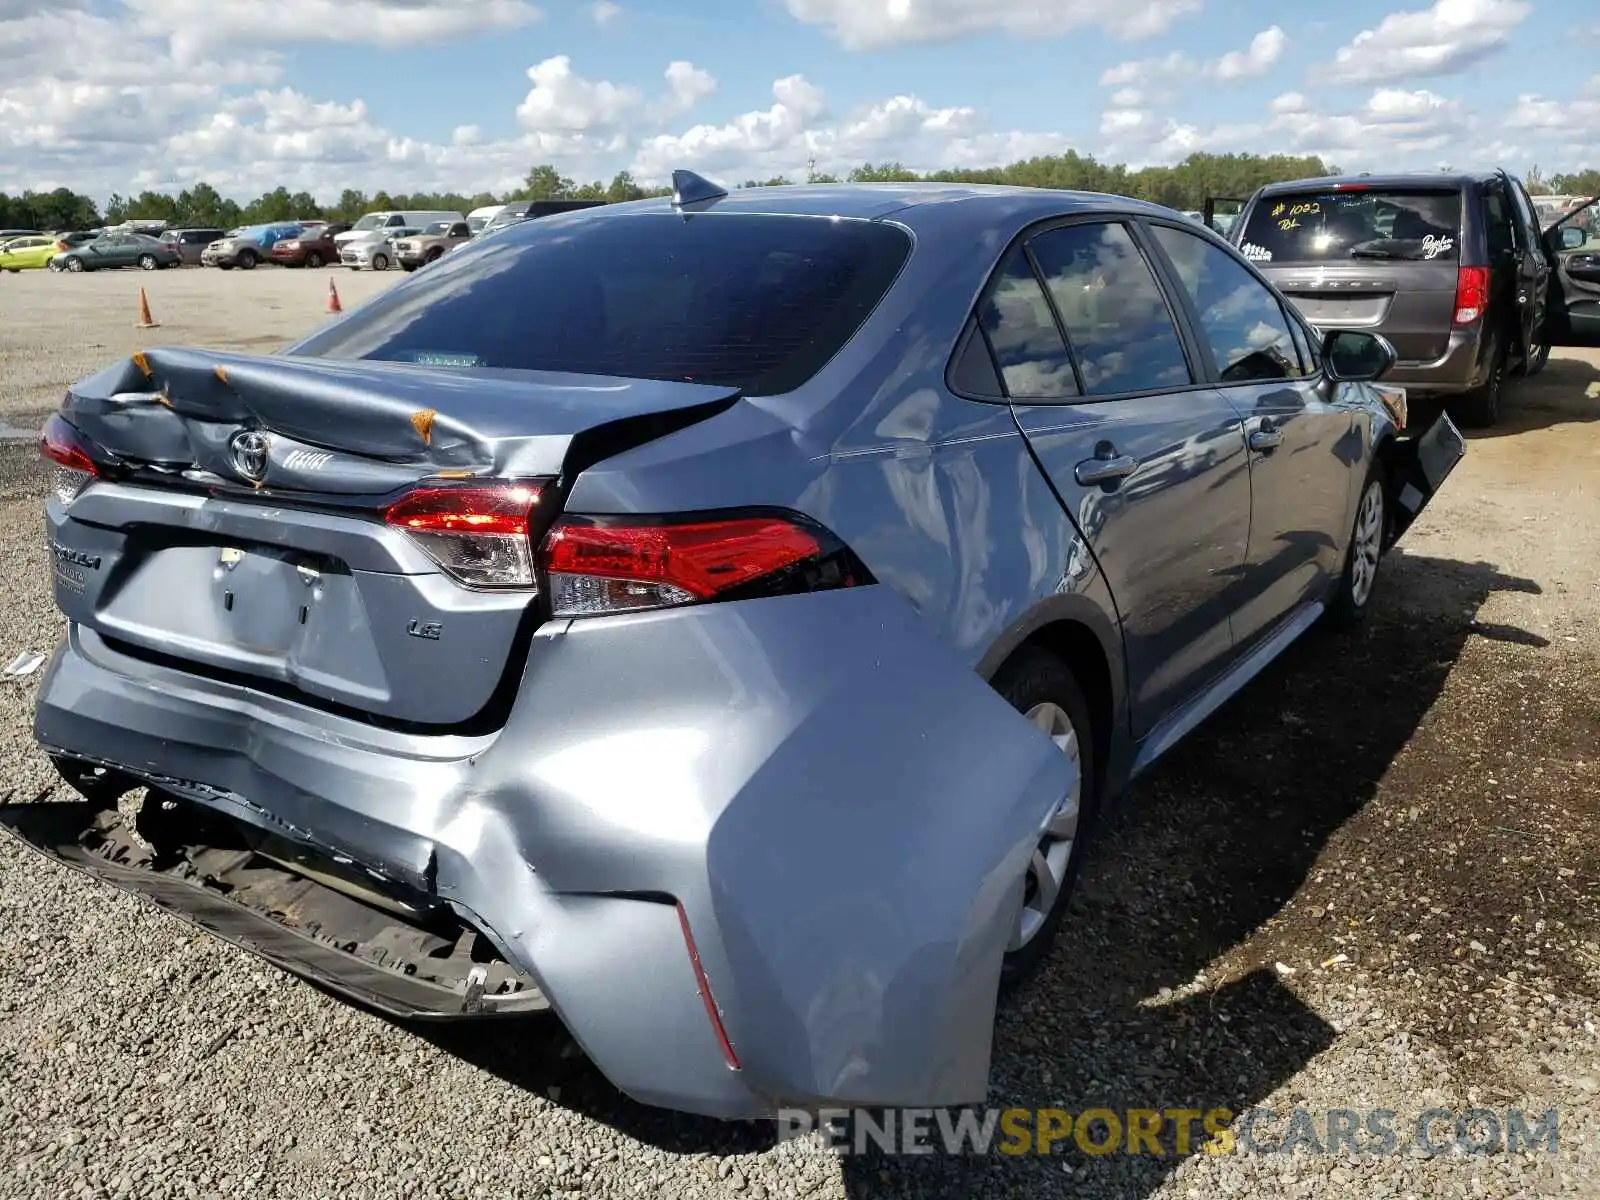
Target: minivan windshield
[[1413, 225], [369, 222], [756, 302]]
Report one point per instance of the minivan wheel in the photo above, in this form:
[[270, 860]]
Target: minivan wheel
[[1042, 687], [1352, 595], [1480, 408]]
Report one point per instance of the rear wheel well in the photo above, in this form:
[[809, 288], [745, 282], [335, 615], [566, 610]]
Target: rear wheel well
[[1077, 646]]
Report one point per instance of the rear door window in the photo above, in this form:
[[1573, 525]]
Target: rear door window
[[1413, 225], [1115, 314], [1015, 317], [740, 300], [1497, 223]]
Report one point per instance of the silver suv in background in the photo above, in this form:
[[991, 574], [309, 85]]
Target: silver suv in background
[[432, 244]]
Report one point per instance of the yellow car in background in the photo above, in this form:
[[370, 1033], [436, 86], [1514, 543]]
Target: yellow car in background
[[29, 253]]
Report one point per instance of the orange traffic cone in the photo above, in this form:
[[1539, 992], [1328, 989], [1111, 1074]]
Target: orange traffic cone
[[333, 299], [145, 319]]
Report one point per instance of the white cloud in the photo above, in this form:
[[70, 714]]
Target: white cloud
[[1394, 128], [605, 12], [562, 101], [1263, 53], [687, 85], [866, 24], [195, 26], [1442, 40], [1265, 49]]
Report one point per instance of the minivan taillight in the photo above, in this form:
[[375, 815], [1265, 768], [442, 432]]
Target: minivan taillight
[[479, 534], [1472, 293], [599, 565], [71, 469]]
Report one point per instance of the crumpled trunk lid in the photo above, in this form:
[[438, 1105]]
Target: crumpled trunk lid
[[265, 559]]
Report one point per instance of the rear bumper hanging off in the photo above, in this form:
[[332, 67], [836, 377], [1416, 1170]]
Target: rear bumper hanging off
[[838, 809]]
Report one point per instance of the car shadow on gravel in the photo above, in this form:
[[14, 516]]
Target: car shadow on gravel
[[1201, 854], [1565, 392]]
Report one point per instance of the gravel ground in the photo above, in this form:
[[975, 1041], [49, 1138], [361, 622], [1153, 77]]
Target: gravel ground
[[1421, 800]]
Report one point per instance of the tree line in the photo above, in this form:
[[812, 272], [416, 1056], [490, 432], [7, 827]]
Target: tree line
[[1184, 186]]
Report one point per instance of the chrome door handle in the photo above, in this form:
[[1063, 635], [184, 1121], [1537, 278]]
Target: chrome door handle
[[1265, 438], [1105, 470]]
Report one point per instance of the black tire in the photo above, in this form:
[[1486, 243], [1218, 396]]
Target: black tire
[[1352, 594], [75, 264], [1480, 408], [247, 261], [408, 267], [380, 261], [313, 260], [147, 262], [1031, 678], [15, 270]]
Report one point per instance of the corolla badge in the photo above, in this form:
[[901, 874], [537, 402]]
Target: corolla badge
[[250, 448]]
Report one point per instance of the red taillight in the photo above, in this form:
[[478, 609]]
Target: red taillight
[[478, 533], [1472, 293], [600, 567], [71, 468]]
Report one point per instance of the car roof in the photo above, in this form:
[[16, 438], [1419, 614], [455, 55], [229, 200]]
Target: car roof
[[908, 201], [1396, 181]]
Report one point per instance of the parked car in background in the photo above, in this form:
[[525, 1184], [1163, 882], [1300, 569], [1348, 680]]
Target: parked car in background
[[247, 247], [529, 210], [730, 617], [431, 244], [118, 250], [191, 243], [479, 217], [371, 254], [1452, 269], [29, 253], [376, 228], [312, 247], [7, 234]]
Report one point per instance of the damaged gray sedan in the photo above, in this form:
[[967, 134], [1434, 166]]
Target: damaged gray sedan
[[718, 621]]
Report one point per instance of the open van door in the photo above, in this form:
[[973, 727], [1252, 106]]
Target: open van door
[[1222, 214], [1572, 310]]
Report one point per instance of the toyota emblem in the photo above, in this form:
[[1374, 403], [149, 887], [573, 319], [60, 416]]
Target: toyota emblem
[[250, 447]]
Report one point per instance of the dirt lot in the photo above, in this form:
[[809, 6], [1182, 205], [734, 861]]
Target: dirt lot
[[1421, 801]]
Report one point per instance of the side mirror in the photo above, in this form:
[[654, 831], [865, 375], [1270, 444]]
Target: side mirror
[[1573, 238], [1351, 356]]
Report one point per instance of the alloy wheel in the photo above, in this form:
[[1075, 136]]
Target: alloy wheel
[[1367, 544], [1047, 871]]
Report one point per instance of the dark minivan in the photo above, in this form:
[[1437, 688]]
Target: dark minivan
[[1453, 269]]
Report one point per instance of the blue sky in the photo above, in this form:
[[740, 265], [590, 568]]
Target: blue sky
[[467, 94]]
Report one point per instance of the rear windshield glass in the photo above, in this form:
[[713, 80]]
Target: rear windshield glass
[[1331, 226], [756, 302]]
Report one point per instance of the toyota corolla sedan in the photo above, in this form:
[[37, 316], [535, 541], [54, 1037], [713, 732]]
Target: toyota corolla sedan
[[716, 621]]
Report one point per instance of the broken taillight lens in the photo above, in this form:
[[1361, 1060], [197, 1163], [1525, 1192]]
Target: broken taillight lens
[[600, 565], [70, 467], [479, 534]]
